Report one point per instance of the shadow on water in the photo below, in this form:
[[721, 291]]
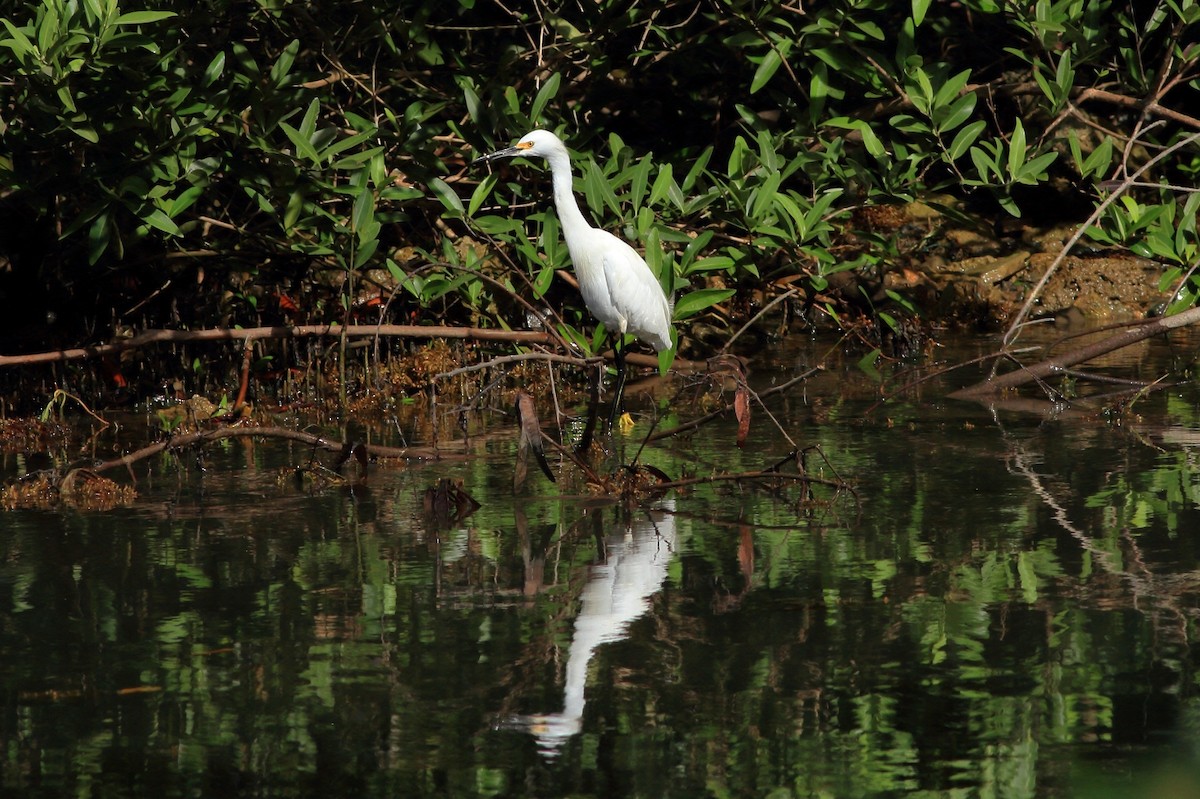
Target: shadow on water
[[1008, 609]]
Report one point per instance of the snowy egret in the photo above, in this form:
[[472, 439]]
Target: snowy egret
[[617, 285]]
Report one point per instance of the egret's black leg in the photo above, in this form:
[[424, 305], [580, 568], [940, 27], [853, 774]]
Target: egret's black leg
[[619, 357]]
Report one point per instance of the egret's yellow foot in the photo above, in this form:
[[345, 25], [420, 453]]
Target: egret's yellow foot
[[625, 423]]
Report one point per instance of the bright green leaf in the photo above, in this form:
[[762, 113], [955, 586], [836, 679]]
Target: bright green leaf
[[696, 301], [766, 70], [304, 148], [449, 199], [919, 9], [158, 219], [144, 17]]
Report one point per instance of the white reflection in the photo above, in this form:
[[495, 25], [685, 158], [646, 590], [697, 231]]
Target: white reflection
[[618, 591]]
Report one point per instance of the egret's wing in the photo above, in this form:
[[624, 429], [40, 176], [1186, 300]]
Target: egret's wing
[[636, 294]]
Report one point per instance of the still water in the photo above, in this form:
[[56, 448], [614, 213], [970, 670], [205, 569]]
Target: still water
[[1004, 606]]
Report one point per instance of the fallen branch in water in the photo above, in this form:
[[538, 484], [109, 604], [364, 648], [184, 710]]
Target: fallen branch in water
[[756, 477], [1060, 363], [148, 337], [183, 440]]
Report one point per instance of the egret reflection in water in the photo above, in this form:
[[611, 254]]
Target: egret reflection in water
[[631, 569]]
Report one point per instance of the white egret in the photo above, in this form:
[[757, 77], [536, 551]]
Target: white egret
[[617, 285]]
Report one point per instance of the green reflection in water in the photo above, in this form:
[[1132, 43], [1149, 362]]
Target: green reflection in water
[[1007, 610]]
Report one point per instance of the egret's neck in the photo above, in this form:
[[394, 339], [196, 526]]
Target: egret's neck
[[569, 215]]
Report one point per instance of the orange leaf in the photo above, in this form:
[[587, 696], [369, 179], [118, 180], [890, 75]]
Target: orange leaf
[[741, 409]]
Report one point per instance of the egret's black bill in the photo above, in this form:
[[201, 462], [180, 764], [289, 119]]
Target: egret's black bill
[[507, 152]]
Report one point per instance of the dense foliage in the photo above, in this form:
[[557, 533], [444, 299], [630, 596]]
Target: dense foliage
[[221, 162]]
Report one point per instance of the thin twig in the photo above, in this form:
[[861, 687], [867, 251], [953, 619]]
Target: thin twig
[[525, 356], [786, 295]]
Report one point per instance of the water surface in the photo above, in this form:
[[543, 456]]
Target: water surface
[[1003, 606]]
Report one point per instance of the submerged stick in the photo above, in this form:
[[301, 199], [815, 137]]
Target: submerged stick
[[148, 337], [183, 440], [1059, 363]]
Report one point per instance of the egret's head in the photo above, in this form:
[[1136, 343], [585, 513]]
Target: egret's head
[[535, 144]]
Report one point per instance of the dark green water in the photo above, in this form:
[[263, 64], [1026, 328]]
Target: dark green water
[[1008, 609]]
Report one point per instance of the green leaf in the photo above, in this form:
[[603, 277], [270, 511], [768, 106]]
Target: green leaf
[[99, 235], [712, 263], [965, 138], [542, 281], [984, 164], [86, 132], [64, 96], [697, 168], [294, 208], [215, 69], [870, 140], [357, 160], [144, 17], [697, 244], [578, 339], [663, 184], [1064, 76], [1100, 159], [309, 125], [958, 112], [764, 196], [185, 200], [481, 193], [598, 191], [158, 219], [282, 67], [766, 69], [638, 179], [1031, 172], [365, 253], [1142, 250], [919, 8], [471, 98], [494, 225], [450, 201], [696, 301], [953, 87], [545, 94], [363, 216], [1043, 84], [667, 357], [870, 28], [94, 11], [737, 158], [868, 364], [922, 94], [19, 43], [328, 153], [394, 270], [1016, 150], [304, 148]]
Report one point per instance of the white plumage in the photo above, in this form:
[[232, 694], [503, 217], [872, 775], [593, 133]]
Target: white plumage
[[617, 285]]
